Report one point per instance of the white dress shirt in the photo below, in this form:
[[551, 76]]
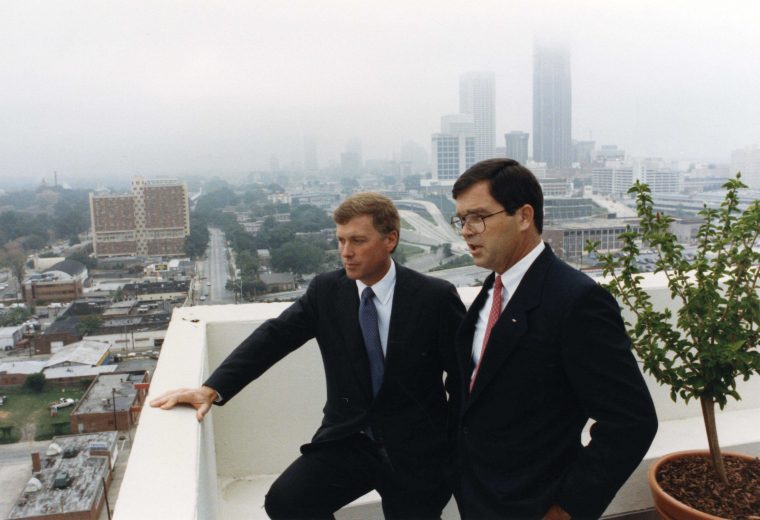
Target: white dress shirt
[[383, 301], [511, 280]]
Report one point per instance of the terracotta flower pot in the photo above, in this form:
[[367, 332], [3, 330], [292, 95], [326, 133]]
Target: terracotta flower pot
[[668, 507]]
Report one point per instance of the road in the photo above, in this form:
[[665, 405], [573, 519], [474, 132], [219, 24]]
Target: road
[[15, 471], [216, 271]]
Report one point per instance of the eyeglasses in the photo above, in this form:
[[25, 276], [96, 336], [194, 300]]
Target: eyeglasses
[[476, 223]]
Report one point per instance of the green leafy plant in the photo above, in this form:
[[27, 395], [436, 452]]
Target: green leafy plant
[[713, 338]]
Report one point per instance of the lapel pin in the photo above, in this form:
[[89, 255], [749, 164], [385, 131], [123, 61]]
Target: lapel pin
[[514, 320]]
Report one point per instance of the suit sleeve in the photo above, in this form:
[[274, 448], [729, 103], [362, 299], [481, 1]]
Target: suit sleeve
[[269, 343], [607, 381], [451, 314]]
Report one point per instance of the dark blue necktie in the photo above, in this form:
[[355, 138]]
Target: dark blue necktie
[[371, 334]]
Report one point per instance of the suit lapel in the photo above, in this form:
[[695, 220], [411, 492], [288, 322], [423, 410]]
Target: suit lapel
[[347, 302], [403, 316], [512, 323]]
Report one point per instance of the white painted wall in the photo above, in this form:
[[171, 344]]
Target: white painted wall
[[222, 468]]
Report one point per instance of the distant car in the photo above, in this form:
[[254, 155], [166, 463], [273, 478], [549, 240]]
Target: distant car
[[208, 284], [203, 298], [63, 402]]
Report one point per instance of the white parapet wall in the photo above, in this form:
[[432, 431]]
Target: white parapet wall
[[222, 467]]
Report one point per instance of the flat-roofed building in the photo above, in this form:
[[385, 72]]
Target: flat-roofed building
[[151, 221], [112, 402], [569, 238], [10, 336], [61, 282], [69, 479]]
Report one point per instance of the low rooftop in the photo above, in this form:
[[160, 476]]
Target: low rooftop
[[86, 472], [99, 397]]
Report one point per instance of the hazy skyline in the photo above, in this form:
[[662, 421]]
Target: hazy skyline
[[94, 89]]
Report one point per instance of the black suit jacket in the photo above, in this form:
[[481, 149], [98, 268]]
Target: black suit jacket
[[411, 412], [558, 355]]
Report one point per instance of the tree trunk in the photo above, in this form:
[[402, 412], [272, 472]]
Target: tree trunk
[[708, 414]]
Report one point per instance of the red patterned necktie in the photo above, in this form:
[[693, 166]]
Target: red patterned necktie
[[493, 317]]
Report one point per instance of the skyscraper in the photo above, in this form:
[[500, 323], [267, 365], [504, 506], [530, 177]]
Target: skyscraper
[[747, 161], [454, 148], [552, 106], [517, 146], [477, 99]]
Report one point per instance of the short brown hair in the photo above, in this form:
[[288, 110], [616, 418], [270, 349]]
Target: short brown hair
[[382, 210], [511, 184]]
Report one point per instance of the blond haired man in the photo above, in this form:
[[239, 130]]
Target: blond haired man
[[386, 337]]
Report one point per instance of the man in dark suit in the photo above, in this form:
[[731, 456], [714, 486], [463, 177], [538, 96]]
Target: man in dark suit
[[542, 350], [386, 335]]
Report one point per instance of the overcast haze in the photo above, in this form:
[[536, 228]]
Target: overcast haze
[[97, 89]]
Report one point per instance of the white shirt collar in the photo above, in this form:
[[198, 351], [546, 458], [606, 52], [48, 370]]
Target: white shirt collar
[[384, 288], [514, 275]]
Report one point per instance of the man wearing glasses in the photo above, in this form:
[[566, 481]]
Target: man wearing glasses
[[542, 350]]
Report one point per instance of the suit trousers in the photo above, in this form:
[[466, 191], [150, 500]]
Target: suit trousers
[[328, 476]]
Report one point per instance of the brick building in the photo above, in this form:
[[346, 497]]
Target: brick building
[[151, 221], [112, 402], [63, 282]]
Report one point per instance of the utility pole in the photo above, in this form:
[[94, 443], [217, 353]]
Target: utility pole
[[113, 403]]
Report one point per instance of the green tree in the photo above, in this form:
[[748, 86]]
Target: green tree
[[15, 317], [35, 382], [248, 264], [712, 340], [298, 256], [15, 260], [89, 324], [197, 241], [306, 218], [273, 235], [82, 257]]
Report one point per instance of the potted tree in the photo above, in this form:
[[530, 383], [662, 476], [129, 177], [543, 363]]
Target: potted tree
[[701, 350]]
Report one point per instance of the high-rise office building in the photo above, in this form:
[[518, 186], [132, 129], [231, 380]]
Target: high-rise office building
[[454, 148], [151, 221], [477, 99], [517, 146], [552, 106], [747, 161]]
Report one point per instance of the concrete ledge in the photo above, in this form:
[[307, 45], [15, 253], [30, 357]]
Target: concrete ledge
[[224, 466]]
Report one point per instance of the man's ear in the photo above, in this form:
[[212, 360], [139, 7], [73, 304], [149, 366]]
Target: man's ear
[[526, 214], [393, 237]]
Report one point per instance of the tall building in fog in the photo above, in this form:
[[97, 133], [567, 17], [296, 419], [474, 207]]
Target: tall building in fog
[[310, 163], [747, 161], [552, 106], [454, 148], [477, 99], [351, 161], [517, 146], [151, 221]]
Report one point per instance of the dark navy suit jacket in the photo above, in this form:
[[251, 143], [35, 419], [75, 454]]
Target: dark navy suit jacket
[[558, 355]]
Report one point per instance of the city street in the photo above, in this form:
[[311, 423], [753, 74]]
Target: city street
[[215, 271]]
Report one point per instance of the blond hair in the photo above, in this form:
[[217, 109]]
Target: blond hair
[[385, 218]]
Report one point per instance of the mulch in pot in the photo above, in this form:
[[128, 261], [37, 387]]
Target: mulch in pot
[[692, 481]]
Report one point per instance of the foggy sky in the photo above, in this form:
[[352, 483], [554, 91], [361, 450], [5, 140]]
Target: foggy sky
[[92, 89]]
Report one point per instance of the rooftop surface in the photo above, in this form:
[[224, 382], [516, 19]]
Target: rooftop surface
[[85, 352], [99, 398], [86, 474]]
